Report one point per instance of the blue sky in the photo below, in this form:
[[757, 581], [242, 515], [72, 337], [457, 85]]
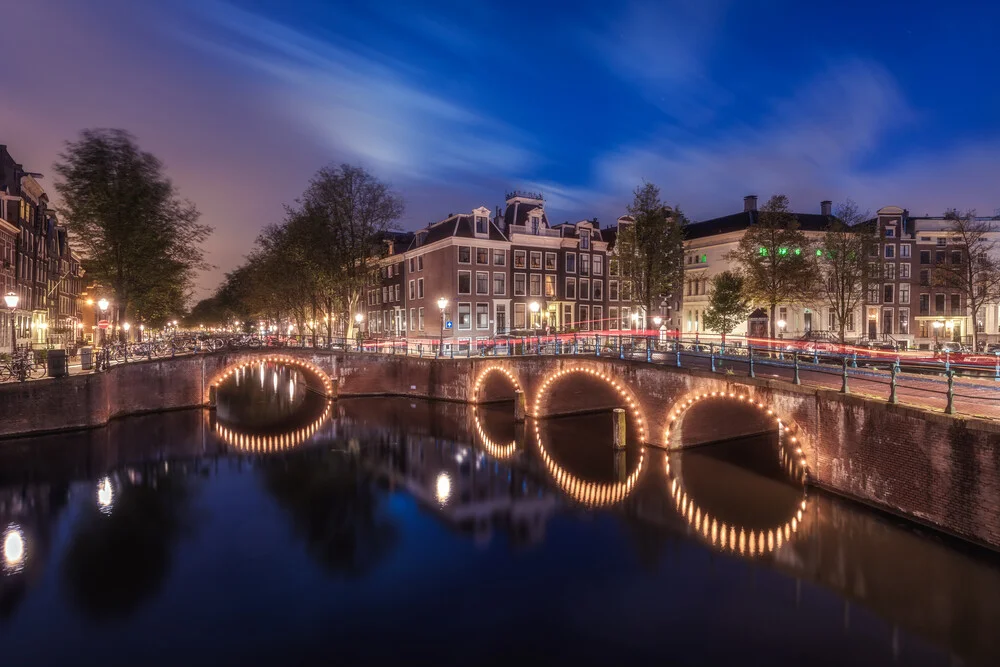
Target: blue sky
[[457, 102]]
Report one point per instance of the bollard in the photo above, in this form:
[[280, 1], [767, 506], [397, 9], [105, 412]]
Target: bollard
[[950, 408], [750, 353], [816, 356], [519, 406], [892, 387], [796, 379], [843, 386], [947, 361], [618, 428], [621, 465], [711, 355]]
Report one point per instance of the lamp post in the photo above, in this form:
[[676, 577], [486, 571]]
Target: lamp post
[[781, 328], [357, 321], [102, 305], [126, 326], [142, 328], [536, 322], [12, 299], [937, 328], [442, 304], [661, 333]]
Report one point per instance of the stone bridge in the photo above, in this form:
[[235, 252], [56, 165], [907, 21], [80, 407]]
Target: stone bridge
[[933, 468]]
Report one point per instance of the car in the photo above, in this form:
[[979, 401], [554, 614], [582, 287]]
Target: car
[[951, 347]]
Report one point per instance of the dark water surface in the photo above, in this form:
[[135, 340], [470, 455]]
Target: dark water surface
[[283, 531]]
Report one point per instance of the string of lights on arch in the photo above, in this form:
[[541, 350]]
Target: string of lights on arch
[[486, 372], [278, 359], [717, 532], [265, 444], [492, 449]]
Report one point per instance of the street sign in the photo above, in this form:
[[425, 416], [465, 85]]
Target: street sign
[[103, 324], [447, 324]]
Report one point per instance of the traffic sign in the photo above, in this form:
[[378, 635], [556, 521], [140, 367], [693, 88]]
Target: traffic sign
[[103, 324], [447, 324]]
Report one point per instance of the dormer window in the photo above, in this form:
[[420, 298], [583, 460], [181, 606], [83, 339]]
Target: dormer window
[[535, 222], [481, 223], [584, 239]]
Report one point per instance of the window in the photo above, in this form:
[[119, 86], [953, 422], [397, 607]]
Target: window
[[956, 304], [520, 284], [519, 316], [887, 320], [925, 308], [873, 250], [388, 271], [904, 293], [890, 271], [464, 254], [925, 256], [887, 294], [598, 317], [413, 289], [482, 255], [612, 290], [420, 288], [598, 265], [831, 320], [420, 263], [613, 317], [613, 267], [904, 249], [626, 291], [956, 256], [890, 232], [550, 261], [584, 264], [413, 318], [481, 224], [536, 261], [585, 318], [482, 316], [571, 288], [873, 293], [413, 265], [904, 321], [626, 324], [535, 223], [499, 258], [465, 316], [420, 318], [939, 257], [520, 259], [482, 282], [939, 304], [535, 284], [465, 282], [598, 290], [585, 288], [890, 251], [925, 278], [571, 262], [904, 271], [499, 284], [386, 294], [942, 241], [584, 239], [550, 286]]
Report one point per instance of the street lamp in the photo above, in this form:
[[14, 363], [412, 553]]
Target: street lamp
[[635, 321], [442, 304], [937, 328], [126, 326], [660, 330], [12, 299], [102, 305], [781, 328], [142, 328]]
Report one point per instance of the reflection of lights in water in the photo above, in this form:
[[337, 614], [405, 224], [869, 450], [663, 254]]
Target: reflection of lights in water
[[496, 451], [274, 376], [13, 548], [630, 402], [277, 359], [443, 488], [105, 494], [250, 442], [589, 493], [262, 376], [291, 390]]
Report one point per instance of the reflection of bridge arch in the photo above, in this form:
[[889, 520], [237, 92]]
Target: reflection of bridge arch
[[496, 451], [486, 373], [268, 443], [593, 494], [310, 368], [631, 402]]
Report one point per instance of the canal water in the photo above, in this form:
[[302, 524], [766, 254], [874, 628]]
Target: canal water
[[284, 530]]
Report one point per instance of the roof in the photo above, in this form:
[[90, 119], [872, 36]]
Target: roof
[[808, 222], [517, 214], [462, 226]]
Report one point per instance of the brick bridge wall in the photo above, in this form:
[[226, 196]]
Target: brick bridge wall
[[933, 468]]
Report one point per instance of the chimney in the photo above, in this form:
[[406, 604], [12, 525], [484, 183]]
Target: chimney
[[826, 207], [750, 203]]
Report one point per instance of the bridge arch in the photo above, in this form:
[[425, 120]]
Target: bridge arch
[[632, 404], [496, 450], [253, 360], [254, 443], [481, 384]]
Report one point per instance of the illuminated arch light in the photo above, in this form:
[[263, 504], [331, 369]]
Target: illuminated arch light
[[728, 537], [490, 370], [630, 401], [279, 359], [264, 444], [494, 450], [587, 493]]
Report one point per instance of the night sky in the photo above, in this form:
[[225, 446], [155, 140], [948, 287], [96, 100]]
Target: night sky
[[889, 103]]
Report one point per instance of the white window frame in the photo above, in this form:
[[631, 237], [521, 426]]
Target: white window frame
[[523, 256], [458, 285], [503, 276], [570, 293], [524, 292], [566, 259], [420, 288], [555, 261], [532, 282], [488, 278], [458, 315], [532, 256], [458, 254]]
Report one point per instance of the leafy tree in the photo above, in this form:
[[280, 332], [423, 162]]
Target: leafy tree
[[774, 258], [843, 262], [650, 249], [728, 303], [137, 235], [977, 276]]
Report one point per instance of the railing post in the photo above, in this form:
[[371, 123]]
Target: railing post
[[895, 366], [576, 348], [947, 361], [711, 354], [649, 351], [597, 345], [843, 386], [677, 351], [452, 348], [621, 346], [996, 375], [854, 359], [892, 387], [950, 408], [750, 354], [796, 379], [815, 356]]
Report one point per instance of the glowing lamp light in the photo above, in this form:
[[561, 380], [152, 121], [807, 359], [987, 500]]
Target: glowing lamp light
[[534, 306], [105, 493], [443, 488], [442, 303], [657, 320], [781, 324], [358, 318], [126, 326], [11, 299], [103, 304], [13, 547]]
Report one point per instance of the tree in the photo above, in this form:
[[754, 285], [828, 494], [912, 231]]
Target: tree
[[774, 258], [843, 262], [650, 249], [728, 303], [977, 275], [137, 235]]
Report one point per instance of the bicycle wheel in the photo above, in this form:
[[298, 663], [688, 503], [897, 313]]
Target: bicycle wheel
[[37, 371]]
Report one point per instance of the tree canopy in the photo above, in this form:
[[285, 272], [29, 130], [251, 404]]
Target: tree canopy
[[843, 263], [728, 303]]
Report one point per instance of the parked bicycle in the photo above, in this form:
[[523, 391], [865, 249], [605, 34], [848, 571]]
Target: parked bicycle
[[21, 367]]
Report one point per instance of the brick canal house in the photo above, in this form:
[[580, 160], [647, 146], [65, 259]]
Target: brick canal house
[[491, 270]]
